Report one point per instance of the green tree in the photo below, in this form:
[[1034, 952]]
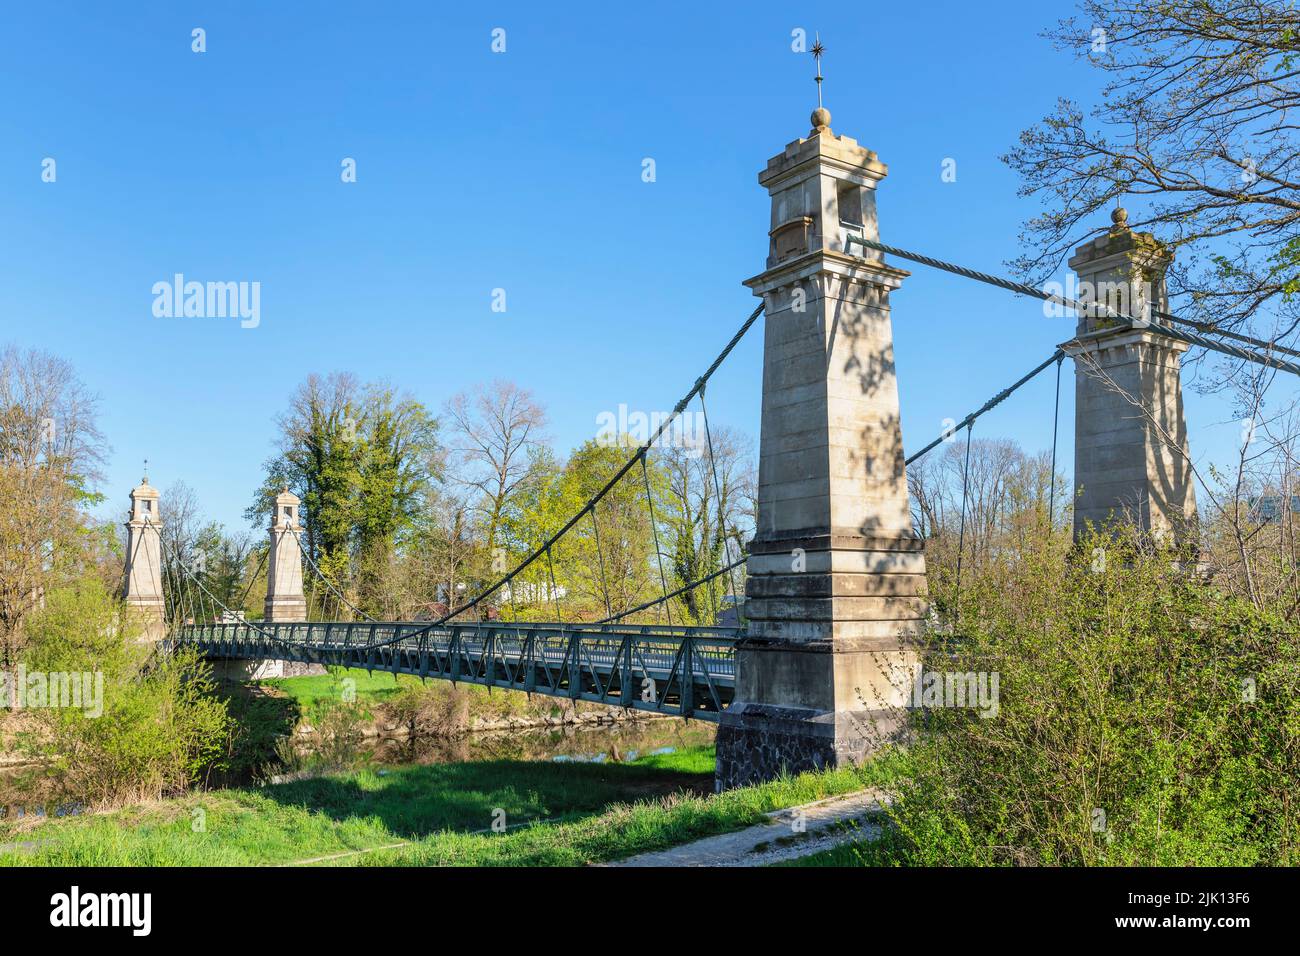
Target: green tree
[[497, 444], [1140, 717], [149, 734], [363, 460], [623, 568]]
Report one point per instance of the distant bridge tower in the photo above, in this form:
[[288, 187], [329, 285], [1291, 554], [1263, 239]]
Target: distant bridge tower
[[1130, 435], [143, 590], [836, 574], [284, 595]]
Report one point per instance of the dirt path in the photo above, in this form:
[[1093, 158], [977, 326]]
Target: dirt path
[[787, 834]]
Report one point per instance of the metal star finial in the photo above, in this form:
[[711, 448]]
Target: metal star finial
[[817, 51]]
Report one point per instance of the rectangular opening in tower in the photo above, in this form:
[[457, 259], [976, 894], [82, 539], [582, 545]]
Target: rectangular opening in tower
[[850, 202]]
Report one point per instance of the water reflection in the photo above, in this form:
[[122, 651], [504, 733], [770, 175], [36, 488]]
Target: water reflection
[[620, 742], [27, 793]]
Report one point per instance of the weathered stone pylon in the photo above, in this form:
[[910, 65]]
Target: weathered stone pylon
[[143, 590], [284, 595], [836, 586], [1130, 435]]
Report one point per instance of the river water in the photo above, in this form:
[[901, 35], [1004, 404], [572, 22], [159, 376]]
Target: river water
[[595, 743], [25, 793]]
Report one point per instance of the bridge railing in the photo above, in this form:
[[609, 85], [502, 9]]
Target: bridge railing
[[687, 671]]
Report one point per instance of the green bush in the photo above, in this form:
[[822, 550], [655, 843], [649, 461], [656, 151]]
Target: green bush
[[155, 730], [1144, 718]]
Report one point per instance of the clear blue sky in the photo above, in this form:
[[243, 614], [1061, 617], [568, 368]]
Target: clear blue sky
[[478, 171]]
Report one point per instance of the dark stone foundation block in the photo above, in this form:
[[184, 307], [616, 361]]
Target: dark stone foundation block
[[758, 742]]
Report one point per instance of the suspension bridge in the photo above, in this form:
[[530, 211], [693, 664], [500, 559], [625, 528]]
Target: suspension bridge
[[834, 572]]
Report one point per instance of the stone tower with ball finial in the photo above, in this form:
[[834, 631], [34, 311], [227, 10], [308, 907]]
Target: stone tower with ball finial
[[143, 587], [836, 587]]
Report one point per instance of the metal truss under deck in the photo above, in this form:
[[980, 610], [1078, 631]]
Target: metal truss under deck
[[685, 671]]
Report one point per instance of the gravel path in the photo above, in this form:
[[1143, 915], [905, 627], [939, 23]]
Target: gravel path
[[787, 834]]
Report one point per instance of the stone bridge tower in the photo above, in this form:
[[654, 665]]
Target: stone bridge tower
[[1130, 435], [836, 585], [143, 590], [284, 595]]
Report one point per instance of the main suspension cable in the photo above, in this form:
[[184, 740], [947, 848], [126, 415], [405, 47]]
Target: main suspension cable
[[992, 403], [591, 503], [320, 574], [681, 590], [1191, 338]]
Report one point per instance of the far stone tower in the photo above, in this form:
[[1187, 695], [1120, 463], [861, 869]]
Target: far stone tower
[[143, 590], [1130, 435], [284, 595]]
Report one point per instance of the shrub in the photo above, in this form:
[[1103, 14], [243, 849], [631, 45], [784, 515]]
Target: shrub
[[156, 730], [1144, 718]]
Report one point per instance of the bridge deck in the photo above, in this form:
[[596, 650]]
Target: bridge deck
[[686, 671]]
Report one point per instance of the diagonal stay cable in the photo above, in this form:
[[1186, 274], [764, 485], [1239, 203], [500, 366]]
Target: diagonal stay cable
[[992, 403], [218, 603], [325, 580], [183, 570], [591, 503], [672, 594], [261, 563], [1191, 338]]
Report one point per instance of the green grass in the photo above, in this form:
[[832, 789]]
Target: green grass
[[622, 830], [856, 853], [370, 687], [605, 811]]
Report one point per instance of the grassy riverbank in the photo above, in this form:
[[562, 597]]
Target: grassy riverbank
[[435, 706], [555, 814], [366, 687], [857, 853]]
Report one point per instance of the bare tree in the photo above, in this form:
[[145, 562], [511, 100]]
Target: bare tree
[[436, 559], [50, 455], [995, 505], [1196, 127], [496, 429], [707, 515], [182, 522]]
